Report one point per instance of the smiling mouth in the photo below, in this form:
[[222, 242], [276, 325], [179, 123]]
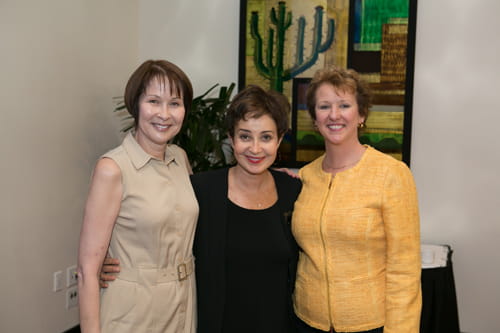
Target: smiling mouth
[[161, 127], [335, 127], [254, 160]]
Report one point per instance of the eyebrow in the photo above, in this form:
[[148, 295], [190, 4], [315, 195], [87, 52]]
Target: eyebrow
[[249, 131], [158, 96], [341, 100]]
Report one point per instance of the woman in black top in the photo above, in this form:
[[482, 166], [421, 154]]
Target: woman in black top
[[245, 253], [245, 258]]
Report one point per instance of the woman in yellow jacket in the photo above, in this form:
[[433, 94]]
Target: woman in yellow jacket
[[356, 221]]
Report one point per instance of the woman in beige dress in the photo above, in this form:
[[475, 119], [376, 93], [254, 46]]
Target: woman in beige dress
[[141, 207]]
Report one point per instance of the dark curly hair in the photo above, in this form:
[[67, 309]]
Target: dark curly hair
[[254, 102]]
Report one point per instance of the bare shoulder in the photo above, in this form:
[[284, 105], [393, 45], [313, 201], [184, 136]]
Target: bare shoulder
[[107, 170]]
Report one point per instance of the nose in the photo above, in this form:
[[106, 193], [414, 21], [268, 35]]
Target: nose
[[334, 112], [255, 147], [163, 112]]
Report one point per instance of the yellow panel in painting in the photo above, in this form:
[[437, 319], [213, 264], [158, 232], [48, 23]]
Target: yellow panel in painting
[[308, 155], [380, 121], [304, 121], [398, 156]]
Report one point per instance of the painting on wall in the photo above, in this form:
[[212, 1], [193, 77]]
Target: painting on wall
[[283, 43]]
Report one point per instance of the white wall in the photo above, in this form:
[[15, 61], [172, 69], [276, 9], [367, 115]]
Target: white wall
[[200, 36], [455, 147], [61, 62]]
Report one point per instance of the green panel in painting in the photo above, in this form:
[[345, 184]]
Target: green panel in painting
[[375, 13]]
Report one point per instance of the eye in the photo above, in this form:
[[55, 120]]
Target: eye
[[267, 137], [324, 106], [175, 104], [345, 105], [244, 137], [153, 101]]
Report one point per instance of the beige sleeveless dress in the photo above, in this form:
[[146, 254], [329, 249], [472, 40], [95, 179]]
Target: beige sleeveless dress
[[153, 238]]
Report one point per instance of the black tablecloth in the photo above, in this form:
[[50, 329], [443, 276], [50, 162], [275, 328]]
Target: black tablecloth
[[439, 300]]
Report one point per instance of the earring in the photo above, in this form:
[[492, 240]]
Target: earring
[[361, 125]]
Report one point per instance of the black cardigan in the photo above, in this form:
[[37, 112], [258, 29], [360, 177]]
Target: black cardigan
[[211, 190]]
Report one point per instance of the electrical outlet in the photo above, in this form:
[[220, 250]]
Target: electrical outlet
[[58, 281], [71, 276], [71, 297]]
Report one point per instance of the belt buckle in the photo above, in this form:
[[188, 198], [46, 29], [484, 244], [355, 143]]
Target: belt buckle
[[182, 272]]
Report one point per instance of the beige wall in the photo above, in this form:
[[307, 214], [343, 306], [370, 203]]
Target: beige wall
[[201, 36], [455, 147], [62, 61]]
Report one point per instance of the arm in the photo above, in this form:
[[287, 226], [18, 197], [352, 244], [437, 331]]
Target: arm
[[101, 210], [402, 228]]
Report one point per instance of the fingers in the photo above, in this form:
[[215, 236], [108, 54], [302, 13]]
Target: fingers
[[107, 276], [289, 172], [111, 261], [104, 278], [110, 269]]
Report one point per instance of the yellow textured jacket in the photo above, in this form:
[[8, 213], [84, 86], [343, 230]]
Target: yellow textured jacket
[[359, 232]]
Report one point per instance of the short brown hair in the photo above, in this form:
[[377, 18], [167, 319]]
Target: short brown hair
[[160, 70], [254, 102], [346, 80]]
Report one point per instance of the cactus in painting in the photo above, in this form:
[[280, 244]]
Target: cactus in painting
[[272, 67]]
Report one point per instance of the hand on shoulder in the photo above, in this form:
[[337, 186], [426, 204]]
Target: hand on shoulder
[[288, 171]]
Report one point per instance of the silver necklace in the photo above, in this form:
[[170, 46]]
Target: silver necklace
[[340, 167]]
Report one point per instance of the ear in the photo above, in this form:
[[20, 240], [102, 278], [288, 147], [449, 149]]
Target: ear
[[230, 140], [362, 119], [315, 125]]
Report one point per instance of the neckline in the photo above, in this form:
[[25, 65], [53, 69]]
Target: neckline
[[351, 169], [251, 209], [265, 207]]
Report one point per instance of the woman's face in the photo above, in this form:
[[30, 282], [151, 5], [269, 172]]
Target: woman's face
[[337, 115], [255, 144], [160, 117]]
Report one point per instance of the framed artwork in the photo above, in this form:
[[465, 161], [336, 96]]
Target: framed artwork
[[283, 43]]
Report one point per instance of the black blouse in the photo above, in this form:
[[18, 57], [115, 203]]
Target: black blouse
[[257, 256], [212, 252]]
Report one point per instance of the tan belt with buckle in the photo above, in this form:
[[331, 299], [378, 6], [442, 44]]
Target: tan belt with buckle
[[180, 272]]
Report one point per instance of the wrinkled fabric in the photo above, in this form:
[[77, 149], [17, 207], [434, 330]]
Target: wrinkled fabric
[[153, 234], [359, 231]]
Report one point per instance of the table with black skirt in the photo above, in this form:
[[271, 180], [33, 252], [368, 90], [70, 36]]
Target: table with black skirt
[[439, 299]]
